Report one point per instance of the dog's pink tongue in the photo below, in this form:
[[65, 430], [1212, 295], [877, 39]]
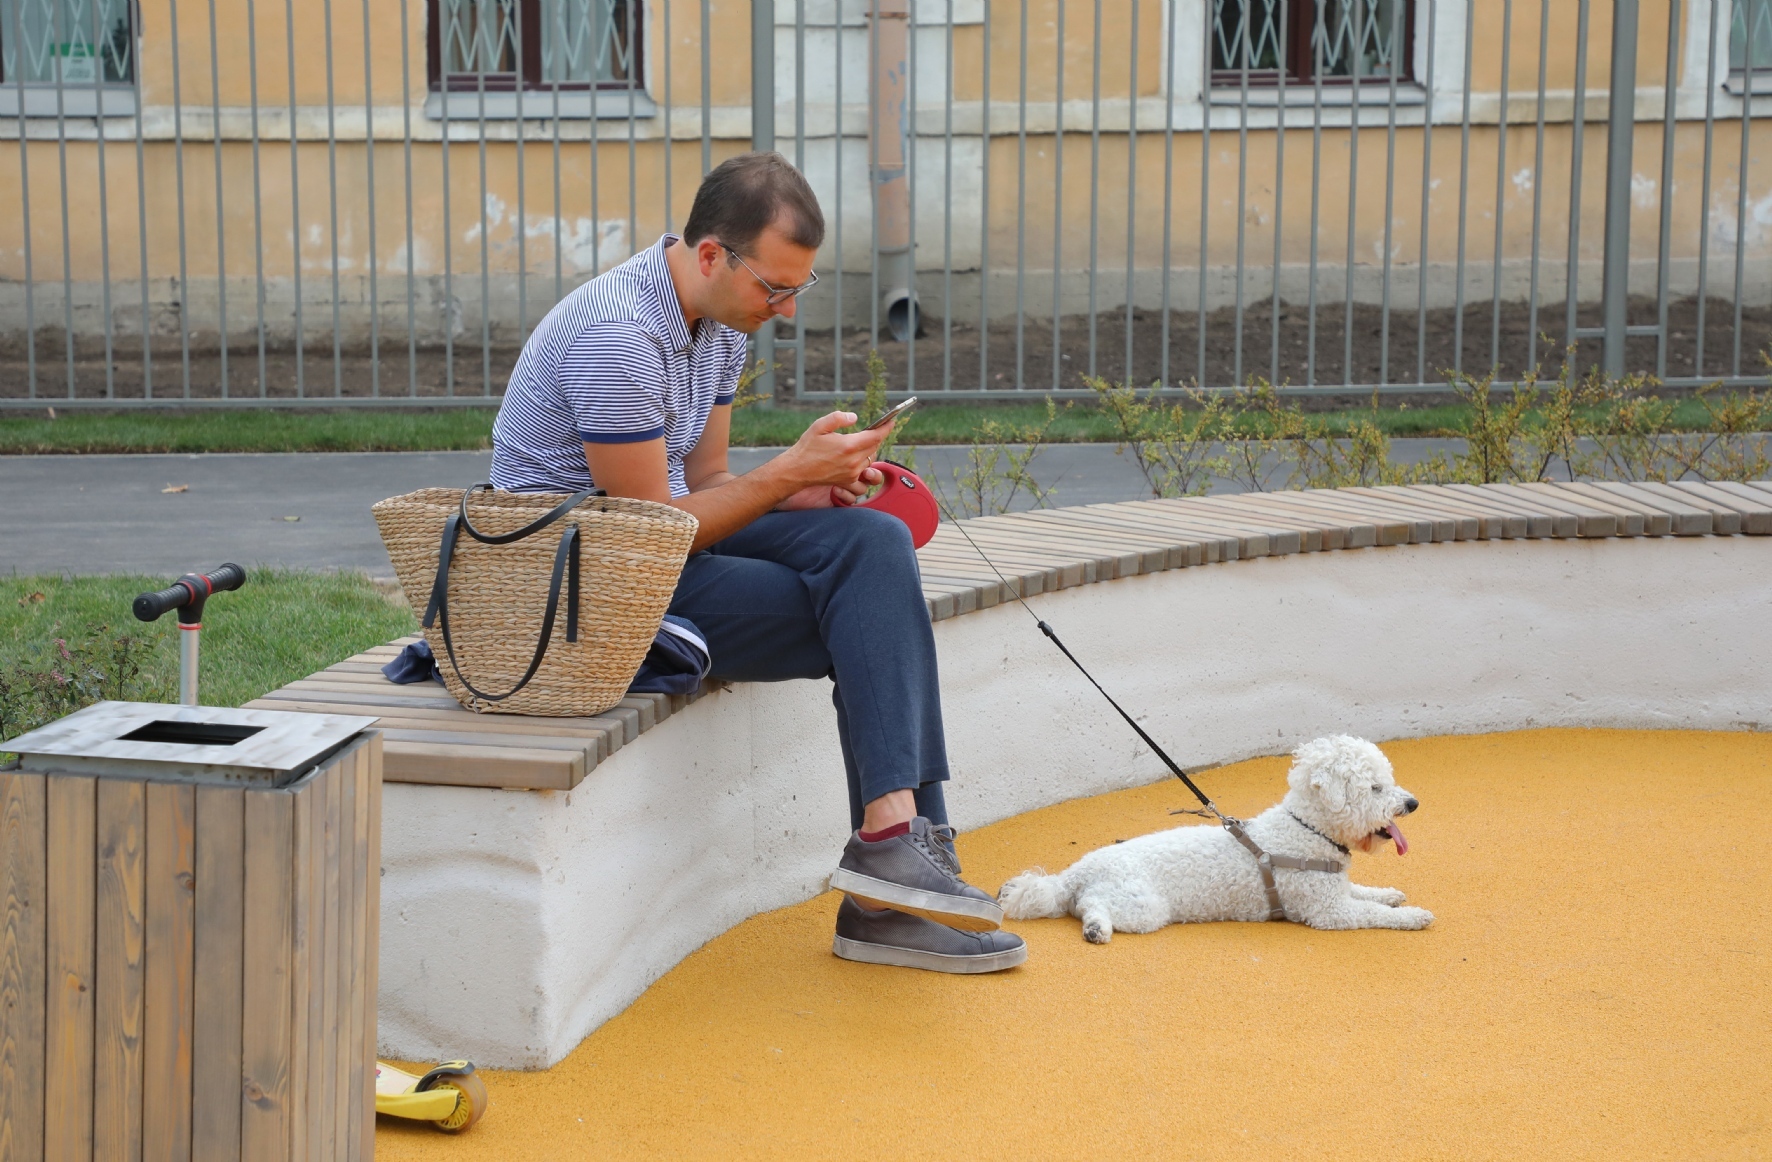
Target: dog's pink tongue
[[1397, 834]]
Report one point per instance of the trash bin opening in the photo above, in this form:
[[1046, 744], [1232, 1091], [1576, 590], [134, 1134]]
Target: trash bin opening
[[192, 733]]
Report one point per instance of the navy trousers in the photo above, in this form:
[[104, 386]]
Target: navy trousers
[[832, 593]]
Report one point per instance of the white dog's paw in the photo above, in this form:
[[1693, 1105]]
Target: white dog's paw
[[1097, 931], [1413, 919], [1390, 897]]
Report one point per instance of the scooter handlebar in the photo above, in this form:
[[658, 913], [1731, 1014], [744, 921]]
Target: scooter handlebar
[[191, 589]]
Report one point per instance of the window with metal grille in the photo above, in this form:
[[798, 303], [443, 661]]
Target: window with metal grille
[[76, 43], [1337, 41], [1750, 38], [503, 45]]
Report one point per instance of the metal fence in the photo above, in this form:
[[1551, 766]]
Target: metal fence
[[273, 202]]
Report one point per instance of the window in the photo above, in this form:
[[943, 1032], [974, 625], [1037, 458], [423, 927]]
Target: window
[[548, 45], [1750, 38], [70, 58], [1340, 41]]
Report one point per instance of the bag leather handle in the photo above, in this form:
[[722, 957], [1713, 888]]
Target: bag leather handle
[[566, 567]]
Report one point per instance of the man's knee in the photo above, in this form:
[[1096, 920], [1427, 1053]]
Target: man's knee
[[878, 533]]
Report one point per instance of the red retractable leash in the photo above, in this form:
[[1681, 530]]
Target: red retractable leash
[[905, 496]]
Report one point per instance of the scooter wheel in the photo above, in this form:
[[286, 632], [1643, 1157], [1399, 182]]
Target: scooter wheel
[[470, 1105]]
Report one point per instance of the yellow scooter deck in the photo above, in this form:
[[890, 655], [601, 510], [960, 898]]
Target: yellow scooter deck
[[451, 1095]]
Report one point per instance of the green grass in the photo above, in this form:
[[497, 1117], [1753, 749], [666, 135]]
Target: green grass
[[471, 428], [280, 626]]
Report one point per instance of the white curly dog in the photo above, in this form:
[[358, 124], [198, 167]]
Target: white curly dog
[[1342, 796]]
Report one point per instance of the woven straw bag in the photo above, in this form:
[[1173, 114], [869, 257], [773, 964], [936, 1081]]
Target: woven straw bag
[[536, 603]]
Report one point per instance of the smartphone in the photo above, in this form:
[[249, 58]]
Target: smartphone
[[893, 412]]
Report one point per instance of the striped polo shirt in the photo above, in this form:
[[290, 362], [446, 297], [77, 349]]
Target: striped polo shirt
[[612, 363]]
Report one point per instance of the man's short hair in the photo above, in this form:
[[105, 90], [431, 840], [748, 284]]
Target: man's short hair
[[744, 195]]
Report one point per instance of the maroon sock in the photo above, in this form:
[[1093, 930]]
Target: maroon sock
[[893, 832]]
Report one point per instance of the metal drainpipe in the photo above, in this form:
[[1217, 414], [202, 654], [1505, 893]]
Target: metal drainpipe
[[1621, 125], [889, 128]]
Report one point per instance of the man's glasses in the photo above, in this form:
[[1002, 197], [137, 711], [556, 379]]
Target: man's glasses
[[776, 294]]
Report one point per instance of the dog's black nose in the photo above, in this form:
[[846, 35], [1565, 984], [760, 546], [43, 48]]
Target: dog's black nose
[[1409, 805]]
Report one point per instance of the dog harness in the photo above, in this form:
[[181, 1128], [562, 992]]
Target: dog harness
[[1265, 863]]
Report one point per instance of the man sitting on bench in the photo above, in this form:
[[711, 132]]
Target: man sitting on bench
[[628, 383]]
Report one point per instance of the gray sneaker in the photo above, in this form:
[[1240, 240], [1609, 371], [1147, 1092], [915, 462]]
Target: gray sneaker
[[912, 942], [918, 873]]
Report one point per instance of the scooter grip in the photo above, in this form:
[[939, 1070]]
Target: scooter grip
[[149, 606], [229, 576], [191, 589]]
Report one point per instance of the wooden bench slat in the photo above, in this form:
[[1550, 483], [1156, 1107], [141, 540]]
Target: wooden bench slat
[[1688, 519], [458, 765], [1754, 505], [1493, 522]]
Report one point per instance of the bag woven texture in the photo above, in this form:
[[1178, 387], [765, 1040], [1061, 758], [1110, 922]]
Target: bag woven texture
[[631, 553]]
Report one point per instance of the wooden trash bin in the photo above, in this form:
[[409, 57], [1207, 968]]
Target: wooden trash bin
[[189, 906]]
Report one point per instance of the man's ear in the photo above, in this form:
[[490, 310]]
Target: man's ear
[[708, 254]]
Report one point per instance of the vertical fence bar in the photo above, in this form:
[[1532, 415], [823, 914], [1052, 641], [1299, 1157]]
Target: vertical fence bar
[[1710, 112], [800, 164], [1168, 178], [338, 368], [102, 144], [1390, 191], [24, 186], [258, 210], [1577, 143], [875, 98], [1021, 208], [221, 236], [762, 140], [1537, 185], [1464, 166], [1242, 177], [1205, 200], [947, 213], [486, 57], [1747, 120], [1273, 372], [141, 214], [670, 108], [633, 133], [1670, 89], [596, 178], [707, 90], [1131, 180], [984, 224], [1094, 178], [178, 163], [1501, 128], [910, 140], [1427, 192], [406, 152], [1310, 359], [369, 201], [450, 311], [554, 135], [837, 171], [1353, 197], [522, 187], [61, 145], [1058, 196], [1621, 126], [295, 230]]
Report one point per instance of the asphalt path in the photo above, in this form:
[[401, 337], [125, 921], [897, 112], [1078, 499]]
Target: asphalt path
[[169, 514]]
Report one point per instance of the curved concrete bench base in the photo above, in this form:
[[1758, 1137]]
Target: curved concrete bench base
[[514, 923]]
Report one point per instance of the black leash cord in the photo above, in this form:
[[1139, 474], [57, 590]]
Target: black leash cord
[[1048, 631]]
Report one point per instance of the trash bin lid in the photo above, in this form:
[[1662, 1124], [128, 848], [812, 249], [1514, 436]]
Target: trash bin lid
[[191, 744]]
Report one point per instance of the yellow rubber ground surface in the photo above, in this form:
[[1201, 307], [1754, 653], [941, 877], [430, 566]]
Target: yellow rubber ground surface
[[1595, 985]]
